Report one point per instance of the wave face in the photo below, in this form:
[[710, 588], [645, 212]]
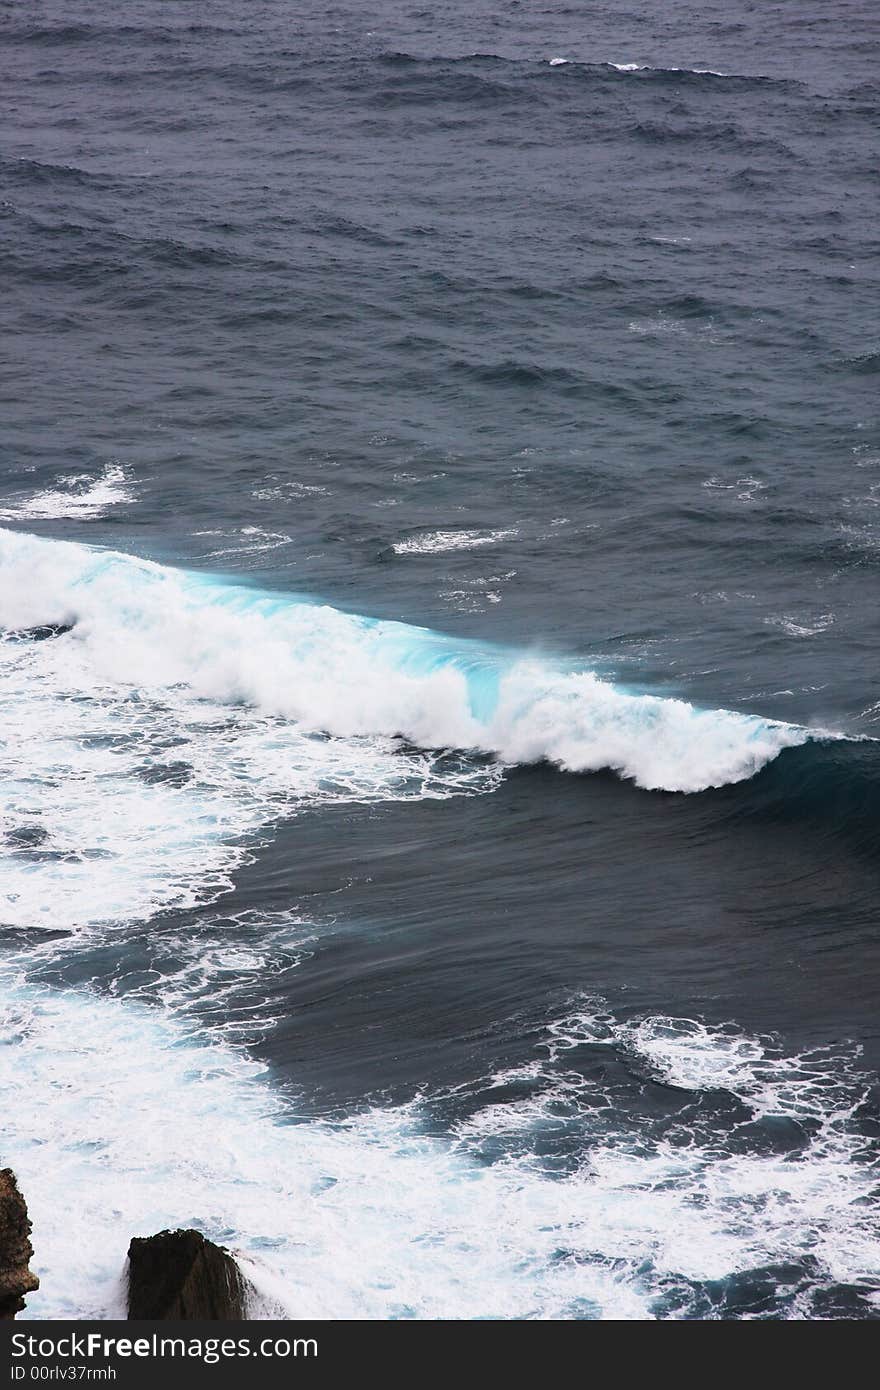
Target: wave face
[[148, 630]]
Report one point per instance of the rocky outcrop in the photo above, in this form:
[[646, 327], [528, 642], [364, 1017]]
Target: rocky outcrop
[[15, 1247], [180, 1275]]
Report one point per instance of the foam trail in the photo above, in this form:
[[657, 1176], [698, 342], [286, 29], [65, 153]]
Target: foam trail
[[150, 628], [432, 542], [120, 1122], [647, 67], [82, 497], [365, 1219]]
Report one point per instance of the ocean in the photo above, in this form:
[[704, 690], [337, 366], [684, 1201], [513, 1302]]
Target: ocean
[[439, 543]]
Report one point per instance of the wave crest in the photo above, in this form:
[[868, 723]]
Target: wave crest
[[154, 628]]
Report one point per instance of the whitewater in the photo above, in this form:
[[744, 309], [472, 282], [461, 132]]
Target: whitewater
[[145, 627], [438, 711], [126, 1120], [207, 712]]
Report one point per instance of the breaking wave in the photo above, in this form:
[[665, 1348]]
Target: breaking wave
[[149, 630], [82, 497]]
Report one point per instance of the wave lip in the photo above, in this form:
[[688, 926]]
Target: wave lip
[[142, 625], [584, 724]]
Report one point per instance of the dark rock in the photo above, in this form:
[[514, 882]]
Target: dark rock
[[15, 1247], [180, 1275], [41, 633]]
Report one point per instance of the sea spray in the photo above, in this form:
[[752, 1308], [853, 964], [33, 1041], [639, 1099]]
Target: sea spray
[[147, 627]]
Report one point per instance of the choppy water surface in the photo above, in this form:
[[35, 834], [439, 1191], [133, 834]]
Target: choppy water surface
[[438, 585]]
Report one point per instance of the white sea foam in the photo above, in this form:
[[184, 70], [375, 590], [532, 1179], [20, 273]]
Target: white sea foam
[[748, 487], [366, 1219], [82, 497], [276, 489], [432, 542], [659, 324], [645, 67], [118, 1122], [699, 1201], [248, 540], [473, 595], [801, 627], [648, 67], [190, 783], [150, 633], [194, 709]]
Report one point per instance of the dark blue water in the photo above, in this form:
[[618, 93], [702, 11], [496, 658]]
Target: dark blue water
[[437, 976]]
